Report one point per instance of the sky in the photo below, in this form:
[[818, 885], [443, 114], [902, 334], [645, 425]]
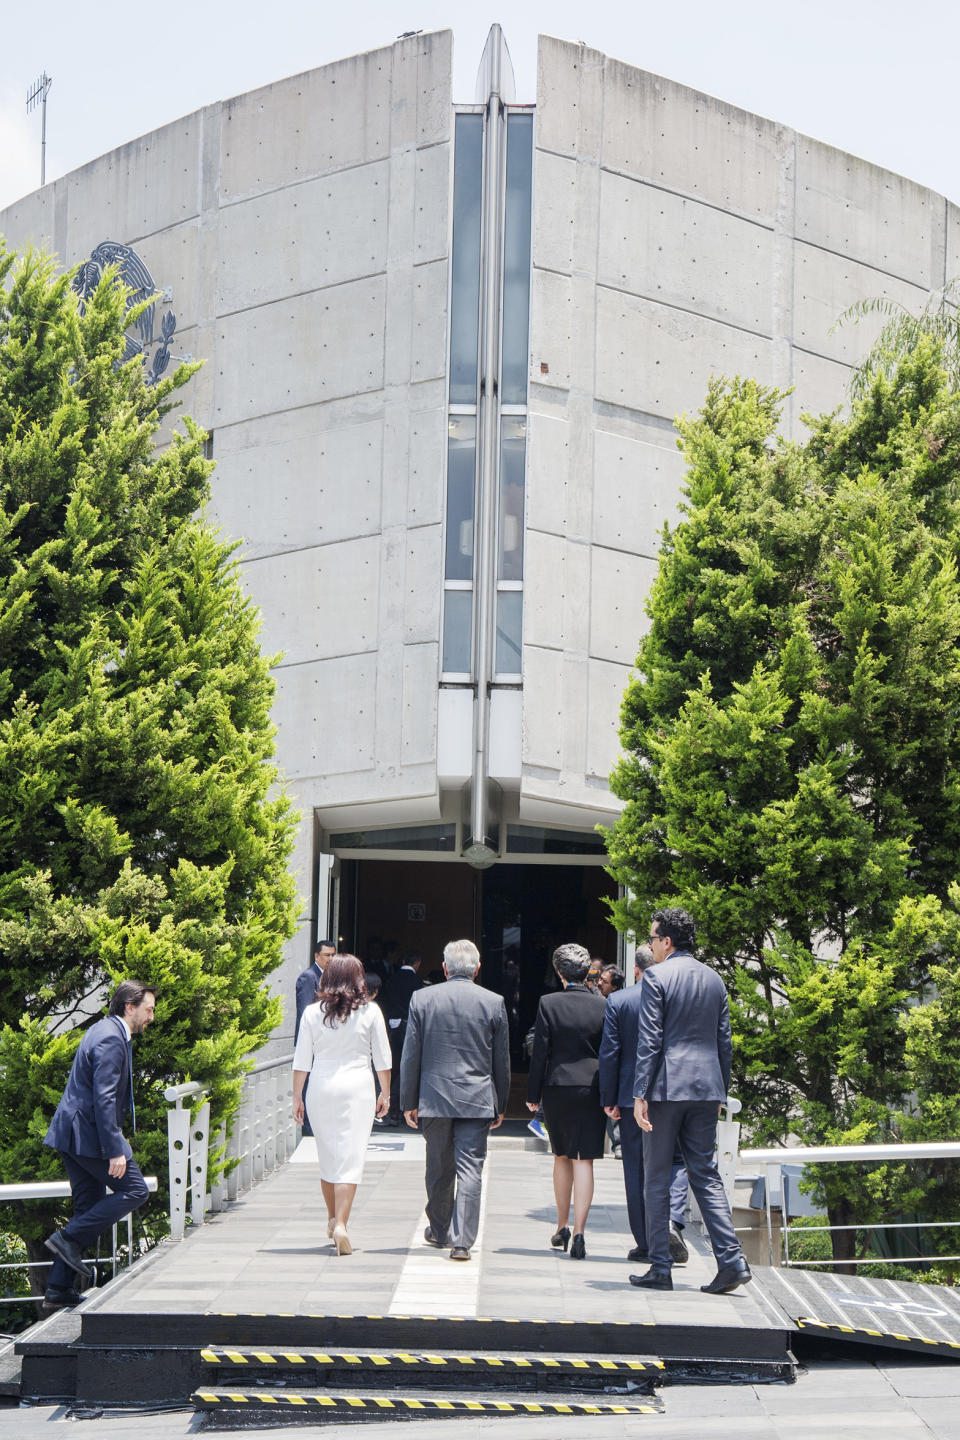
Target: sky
[[873, 77]]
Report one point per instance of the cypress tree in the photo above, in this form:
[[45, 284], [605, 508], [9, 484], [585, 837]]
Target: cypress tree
[[142, 832]]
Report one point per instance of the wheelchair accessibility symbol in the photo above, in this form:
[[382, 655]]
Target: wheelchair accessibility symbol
[[908, 1307]]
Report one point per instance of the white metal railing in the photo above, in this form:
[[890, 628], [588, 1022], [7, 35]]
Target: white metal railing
[[60, 1190], [264, 1137], [774, 1160]]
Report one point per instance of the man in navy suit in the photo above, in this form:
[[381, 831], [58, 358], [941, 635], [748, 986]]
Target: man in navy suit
[[86, 1130], [618, 1064], [684, 1055], [307, 982]]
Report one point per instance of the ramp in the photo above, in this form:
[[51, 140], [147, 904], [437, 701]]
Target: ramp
[[895, 1314]]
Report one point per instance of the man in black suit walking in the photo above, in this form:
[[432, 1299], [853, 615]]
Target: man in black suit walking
[[86, 1130], [402, 984], [684, 1055], [307, 982]]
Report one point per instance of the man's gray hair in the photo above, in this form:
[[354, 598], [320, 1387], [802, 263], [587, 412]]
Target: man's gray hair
[[643, 957], [571, 962], [461, 958]]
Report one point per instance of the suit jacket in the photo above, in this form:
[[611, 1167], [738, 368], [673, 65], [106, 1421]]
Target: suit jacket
[[87, 1121], [307, 983], [456, 1055], [566, 1040], [399, 989], [684, 1048], [618, 1047]]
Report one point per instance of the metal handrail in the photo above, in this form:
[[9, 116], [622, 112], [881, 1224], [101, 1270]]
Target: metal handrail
[[773, 1161]]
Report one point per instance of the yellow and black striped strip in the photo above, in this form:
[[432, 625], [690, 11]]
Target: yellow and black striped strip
[[806, 1322], [401, 1359], [277, 1400]]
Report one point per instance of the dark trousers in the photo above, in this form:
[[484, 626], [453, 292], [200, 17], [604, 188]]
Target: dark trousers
[[691, 1124], [99, 1202], [631, 1153], [456, 1150]]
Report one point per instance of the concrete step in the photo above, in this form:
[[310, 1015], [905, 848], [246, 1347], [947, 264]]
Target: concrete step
[[242, 1407]]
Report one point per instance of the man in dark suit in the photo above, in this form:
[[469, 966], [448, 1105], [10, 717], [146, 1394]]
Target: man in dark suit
[[307, 982], [402, 984], [684, 1054], [618, 1065], [86, 1130], [454, 1081]]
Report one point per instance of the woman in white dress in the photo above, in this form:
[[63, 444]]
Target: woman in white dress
[[342, 1041]]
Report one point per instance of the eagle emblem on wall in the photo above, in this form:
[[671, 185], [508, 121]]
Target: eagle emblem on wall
[[146, 337]]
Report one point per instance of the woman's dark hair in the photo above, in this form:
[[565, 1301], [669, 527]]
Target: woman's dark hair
[[571, 962], [130, 992], [342, 989], [678, 924]]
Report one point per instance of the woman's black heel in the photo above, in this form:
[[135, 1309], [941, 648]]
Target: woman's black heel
[[562, 1238], [578, 1250]]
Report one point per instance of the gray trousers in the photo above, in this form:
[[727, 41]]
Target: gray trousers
[[456, 1150], [631, 1152], [693, 1125]]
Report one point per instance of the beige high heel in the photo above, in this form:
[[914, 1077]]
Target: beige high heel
[[342, 1240], [331, 1226]]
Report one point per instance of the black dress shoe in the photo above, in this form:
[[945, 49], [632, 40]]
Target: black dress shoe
[[69, 1251], [637, 1254], [431, 1239], [679, 1253], [459, 1252], [57, 1299], [578, 1248], [728, 1279], [653, 1280]]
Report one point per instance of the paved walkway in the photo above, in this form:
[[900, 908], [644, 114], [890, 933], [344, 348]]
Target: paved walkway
[[269, 1253]]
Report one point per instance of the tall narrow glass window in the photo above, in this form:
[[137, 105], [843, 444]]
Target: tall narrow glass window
[[465, 262], [461, 496], [516, 260], [513, 441]]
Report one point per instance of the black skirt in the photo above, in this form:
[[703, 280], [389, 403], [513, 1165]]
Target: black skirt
[[575, 1120]]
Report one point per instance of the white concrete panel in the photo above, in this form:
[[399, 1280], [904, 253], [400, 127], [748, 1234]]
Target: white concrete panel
[[326, 119], [147, 185], [303, 237], [285, 482], [542, 697], [569, 98], [425, 494], [432, 223], [654, 129], [298, 351], [821, 386], [551, 322], [434, 85], [428, 360], [454, 736], [826, 286], [424, 587], [319, 602], [607, 685], [31, 221], [324, 716], [555, 613], [618, 590], [685, 253], [171, 257], [656, 359], [419, 716], [853, 207], [548, 467], [505, 740], [636, 489], [554, 211], [952, 226]]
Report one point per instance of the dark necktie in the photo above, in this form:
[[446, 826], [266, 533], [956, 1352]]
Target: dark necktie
[[133, 1108]]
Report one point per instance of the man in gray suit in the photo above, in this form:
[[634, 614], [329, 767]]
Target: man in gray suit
[[454, 1081], [684, 1054], [618, 1065]]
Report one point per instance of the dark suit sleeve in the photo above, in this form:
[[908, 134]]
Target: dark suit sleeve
[[610, 1055], [501, 1057], [539, 1057], [411, 1058], [110, 1072], [306, 994], [725, 1044], [649, 1034]]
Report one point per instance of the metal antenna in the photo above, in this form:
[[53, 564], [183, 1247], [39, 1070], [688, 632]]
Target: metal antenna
[[39, 92]]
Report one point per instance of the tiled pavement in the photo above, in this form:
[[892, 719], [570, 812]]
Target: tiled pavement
[[270, 1253]]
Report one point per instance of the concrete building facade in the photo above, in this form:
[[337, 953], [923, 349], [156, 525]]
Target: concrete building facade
[[444, 346]]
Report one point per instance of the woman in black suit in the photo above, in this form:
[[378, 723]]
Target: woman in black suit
[[564, 1078]]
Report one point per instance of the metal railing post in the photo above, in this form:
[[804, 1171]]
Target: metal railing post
[[199, 1151], [178, 1158]]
